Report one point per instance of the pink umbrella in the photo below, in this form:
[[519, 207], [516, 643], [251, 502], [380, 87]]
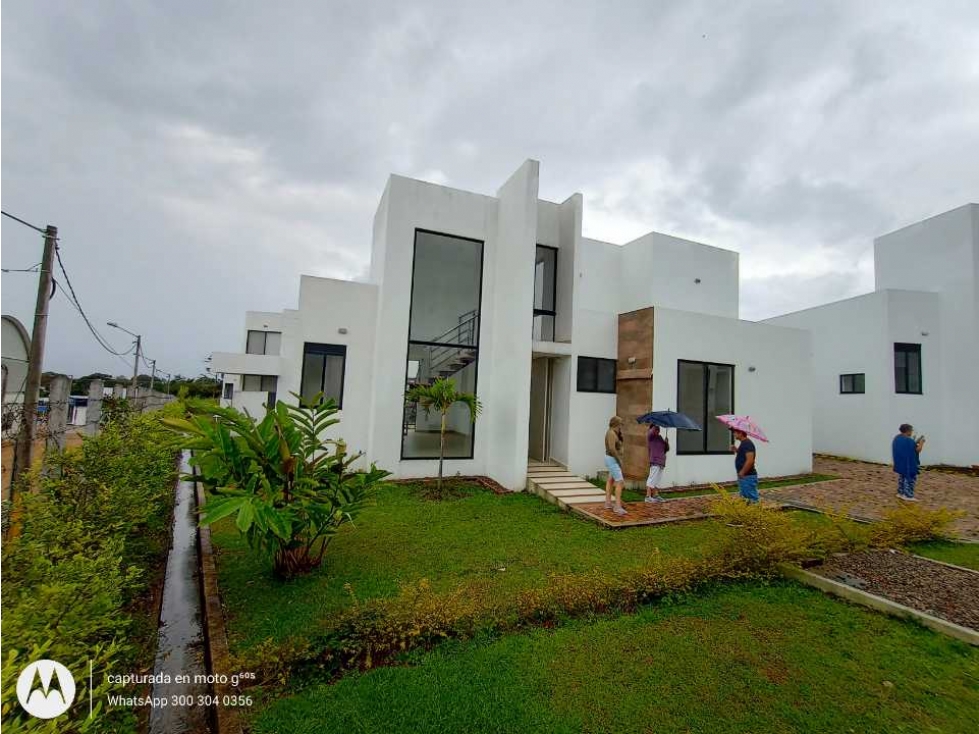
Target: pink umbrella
[[743, 423]]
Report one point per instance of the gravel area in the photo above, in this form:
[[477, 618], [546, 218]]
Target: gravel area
[[948, 593]]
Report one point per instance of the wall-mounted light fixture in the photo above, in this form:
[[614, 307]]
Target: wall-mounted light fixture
[[631, 360], [696, 280], [342, 330], [924, 333], [751, 369]]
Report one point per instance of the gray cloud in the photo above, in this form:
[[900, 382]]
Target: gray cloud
[[198, 157]]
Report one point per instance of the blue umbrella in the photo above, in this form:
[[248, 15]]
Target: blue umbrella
[[669, 419]]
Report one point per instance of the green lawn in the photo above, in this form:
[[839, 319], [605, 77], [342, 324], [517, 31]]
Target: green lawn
[[779, 658], [959, 554], [506, 542]]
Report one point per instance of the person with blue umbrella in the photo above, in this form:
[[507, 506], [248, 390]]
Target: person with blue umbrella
[[658, 445]]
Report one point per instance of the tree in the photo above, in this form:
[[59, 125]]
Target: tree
[[440, 396], [287, 488]]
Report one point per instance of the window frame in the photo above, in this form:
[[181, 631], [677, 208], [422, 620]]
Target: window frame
[[705, 417], [261, 380], [334, 350], [596, 389], [904, 349], [229, 391], [543, 311], [265, 341], [473, 347], [854, 391]]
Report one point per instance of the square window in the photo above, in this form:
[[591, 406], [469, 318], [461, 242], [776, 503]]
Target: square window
[[596, 374]]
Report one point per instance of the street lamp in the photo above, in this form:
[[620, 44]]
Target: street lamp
[[114, 325]]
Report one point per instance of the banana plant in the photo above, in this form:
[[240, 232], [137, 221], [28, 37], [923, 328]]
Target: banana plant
[[288, 489]]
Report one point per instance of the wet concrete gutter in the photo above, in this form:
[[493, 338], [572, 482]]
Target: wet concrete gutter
[[180, 649]]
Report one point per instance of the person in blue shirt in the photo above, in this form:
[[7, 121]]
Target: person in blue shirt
[[905, 450], [744, 464]]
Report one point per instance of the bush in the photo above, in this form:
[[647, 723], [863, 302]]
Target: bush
[[911, 523], [93, 532]]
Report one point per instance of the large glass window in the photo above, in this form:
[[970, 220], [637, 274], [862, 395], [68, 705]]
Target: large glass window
[[545, 292], [263, 342], [323, 370], [907, 368], [259, 383], [443, 340], [704, 391]]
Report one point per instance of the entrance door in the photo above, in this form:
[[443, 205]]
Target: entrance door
[[540, 409]]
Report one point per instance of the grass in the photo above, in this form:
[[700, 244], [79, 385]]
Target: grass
[[958, 554], [774, 658], [506, 542], [636, 495]]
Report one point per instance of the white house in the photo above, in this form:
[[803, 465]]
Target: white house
[[906, 353], [554, 332]]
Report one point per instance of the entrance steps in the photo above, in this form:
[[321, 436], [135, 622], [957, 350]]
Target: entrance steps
[[559, 486]]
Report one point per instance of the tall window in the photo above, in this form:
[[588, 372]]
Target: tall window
[[852, 384], [263, 342], [704, 391], [596, 375], [229, 390], [323, 370], [545, 292], [443, 339], [907, 368]]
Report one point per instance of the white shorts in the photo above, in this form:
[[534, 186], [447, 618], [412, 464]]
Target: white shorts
[[655, 475]]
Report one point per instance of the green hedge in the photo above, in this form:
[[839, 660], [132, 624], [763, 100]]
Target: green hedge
[[89, 540]]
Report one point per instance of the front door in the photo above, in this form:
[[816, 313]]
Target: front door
[[540, 409]]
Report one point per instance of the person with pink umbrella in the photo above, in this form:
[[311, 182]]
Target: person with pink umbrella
[[744, 461]]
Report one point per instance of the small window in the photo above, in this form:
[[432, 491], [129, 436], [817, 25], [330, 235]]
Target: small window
[[259, 383], [229, 390], [907, 369], [323, 371], [596, 375], [852, 384], [263, 342]]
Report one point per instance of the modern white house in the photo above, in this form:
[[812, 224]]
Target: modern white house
[[906, 353], [554, 332]]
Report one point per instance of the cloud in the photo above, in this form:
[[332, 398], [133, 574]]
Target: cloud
[[198, 157]]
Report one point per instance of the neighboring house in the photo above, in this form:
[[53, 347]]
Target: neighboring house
[[906, 353], [553, 331], [16, 351]]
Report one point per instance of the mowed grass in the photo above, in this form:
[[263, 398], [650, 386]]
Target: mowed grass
[[506, 542], [958, 554], [747, 658]]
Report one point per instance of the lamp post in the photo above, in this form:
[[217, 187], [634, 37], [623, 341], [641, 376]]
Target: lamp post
[[133, 385]]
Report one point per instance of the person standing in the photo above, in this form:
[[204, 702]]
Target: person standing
[[613, 462], [744, 463], [905, 451], [658, 447]]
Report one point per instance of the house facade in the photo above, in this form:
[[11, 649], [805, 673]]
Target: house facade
[[906, 353], [553, 331]]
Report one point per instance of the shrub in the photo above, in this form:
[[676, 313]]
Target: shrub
[[288, 492], [93, 530], [911, 523]]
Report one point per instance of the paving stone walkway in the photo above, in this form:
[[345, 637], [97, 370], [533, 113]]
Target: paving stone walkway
[[870, 490]]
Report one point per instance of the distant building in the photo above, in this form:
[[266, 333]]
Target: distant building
[[906, 353], [16, 352], [554, 332]]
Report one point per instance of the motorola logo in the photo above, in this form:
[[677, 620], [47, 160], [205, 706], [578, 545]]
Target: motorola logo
[[45, 689]]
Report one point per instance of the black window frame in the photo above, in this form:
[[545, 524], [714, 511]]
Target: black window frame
[[901, 351], [265, 340], [229, 391], [333, 350], [261, 379], [705, 417], [853, 382], [543, 311], [596, 388], [472, 347]]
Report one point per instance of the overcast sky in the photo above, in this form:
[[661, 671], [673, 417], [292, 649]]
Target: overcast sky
[[198, 156]]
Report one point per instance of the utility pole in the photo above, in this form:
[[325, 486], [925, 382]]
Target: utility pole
[[152, 374], [135, 384], [25, 443]]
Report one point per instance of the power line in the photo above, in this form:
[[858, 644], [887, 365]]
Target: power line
[[31, 269], [26, 224]]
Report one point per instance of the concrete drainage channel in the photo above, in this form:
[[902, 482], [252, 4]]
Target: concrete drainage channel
[[192, 637], [849, 589]]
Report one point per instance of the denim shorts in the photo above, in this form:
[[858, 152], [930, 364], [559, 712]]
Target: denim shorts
[[614, 470]]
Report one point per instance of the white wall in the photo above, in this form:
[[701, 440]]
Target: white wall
[[777, 394], [941, 254]]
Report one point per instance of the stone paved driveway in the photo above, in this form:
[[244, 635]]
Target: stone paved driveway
[[869, 490]]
